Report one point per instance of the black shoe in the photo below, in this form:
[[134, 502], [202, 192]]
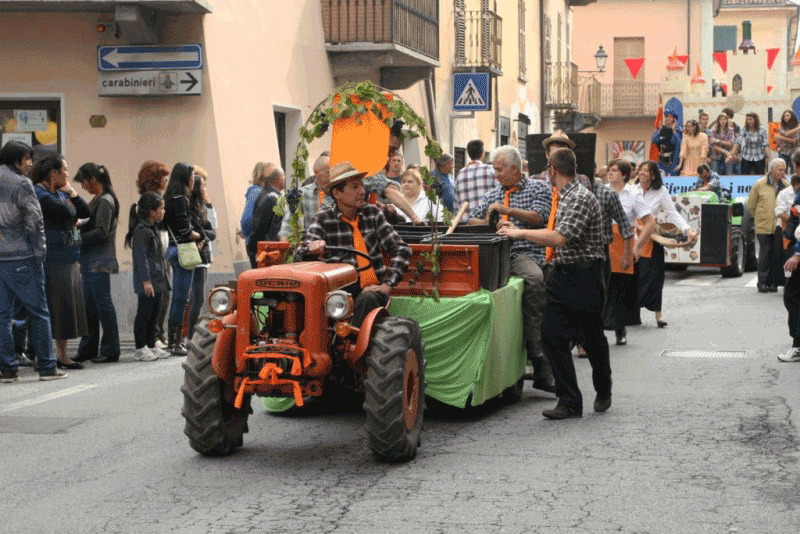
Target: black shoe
[[24, 361], [602, 404], [8, 376], [772, 289], [661, 324], [762, 288], [622, 340], [55, 374], [561, 412], [80, 358], [69, 365], [544, 384], [106, 360]]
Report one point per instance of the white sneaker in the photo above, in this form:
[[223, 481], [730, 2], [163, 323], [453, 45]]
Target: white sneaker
[[792, 355], [160, 344], [144, 355], [160, 354]]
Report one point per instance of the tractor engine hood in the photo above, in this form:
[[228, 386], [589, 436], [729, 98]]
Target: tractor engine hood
[[303, 274]]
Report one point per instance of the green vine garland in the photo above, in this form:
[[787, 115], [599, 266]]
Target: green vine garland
[[324, 114]]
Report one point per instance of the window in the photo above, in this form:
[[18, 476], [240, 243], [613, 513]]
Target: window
[[725, 38], [522, 66], [36, 122]]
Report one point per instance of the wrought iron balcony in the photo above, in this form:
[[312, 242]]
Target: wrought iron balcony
[[756, 3], [405, 25], [479, 40], [561, 86], [620, 99]]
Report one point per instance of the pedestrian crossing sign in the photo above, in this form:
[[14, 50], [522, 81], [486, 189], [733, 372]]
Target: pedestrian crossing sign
[[472, 91]]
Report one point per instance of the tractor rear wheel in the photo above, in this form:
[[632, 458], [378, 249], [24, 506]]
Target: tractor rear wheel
[[738, 258], [214, 426], [395, 389]]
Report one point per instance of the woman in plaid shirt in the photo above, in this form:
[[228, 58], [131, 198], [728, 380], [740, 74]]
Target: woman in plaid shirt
[[752, 146]]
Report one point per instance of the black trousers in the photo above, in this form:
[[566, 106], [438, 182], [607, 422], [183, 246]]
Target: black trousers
[[575, 302], [791, 299], [754, 167], [770, 259], [144, 325], [365, 302]]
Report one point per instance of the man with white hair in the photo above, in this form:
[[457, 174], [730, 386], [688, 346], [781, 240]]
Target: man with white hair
[[761, 205], [526, 203]]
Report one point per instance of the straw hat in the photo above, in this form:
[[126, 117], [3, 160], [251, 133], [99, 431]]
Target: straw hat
[[560, 137], [341, 172]]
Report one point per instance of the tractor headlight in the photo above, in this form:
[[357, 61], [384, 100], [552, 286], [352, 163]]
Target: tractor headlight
[[221, 301], [338, 304]]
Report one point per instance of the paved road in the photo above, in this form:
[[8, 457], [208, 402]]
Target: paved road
[[691, 444]]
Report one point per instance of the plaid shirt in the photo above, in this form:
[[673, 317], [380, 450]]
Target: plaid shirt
[[729, 136], [473, 183], [579, 220], [784, 148], [377, 183], [378, 235], [611, 208], [533, 195], [309, 202], [752, 144]]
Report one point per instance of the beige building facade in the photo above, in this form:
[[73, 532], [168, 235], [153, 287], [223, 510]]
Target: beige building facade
[[265, 66]]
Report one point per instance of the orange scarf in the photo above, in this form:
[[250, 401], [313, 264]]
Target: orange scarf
[[507, 199], [550, 253], [368, 277]]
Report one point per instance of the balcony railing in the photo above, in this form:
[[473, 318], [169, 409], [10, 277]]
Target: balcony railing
[[413, 24], [618, 99], [479, 40], [561, 85], [758, 3]]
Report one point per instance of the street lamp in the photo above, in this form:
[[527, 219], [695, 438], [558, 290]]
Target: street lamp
[[600, 58]]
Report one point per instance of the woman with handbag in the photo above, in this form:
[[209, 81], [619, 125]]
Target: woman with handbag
[[182, 244], [61, 208]]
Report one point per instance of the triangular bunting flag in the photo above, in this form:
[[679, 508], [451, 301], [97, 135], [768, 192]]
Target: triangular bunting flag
[[634, 65], [722, 60], [683, 59], [769, 89], [771, 54]]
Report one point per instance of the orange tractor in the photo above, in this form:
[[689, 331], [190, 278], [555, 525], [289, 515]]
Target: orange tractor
[[284, 330]]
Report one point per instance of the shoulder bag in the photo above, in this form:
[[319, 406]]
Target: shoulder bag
[[188, 254]]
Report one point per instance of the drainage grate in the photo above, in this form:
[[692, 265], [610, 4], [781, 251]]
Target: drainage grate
[[705, 353], [36, 425]]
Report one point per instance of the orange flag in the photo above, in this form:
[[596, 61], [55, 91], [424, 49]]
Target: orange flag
[[657, 126]]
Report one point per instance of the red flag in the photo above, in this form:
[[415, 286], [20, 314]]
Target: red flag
[[683, 59], [657, 126], [634, 65], [771, 55], [722, 60], [769, 89]]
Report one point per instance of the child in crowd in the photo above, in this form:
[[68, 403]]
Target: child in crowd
[[149, 273]]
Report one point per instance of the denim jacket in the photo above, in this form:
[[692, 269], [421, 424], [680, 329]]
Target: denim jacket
[[21, 222]]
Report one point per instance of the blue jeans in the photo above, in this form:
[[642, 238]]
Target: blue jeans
[[720, 167], [99, 312], [181, 286], [24, 279]]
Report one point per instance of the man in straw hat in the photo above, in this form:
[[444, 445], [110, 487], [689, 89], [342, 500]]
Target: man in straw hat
[[353, 223], [558, 139]]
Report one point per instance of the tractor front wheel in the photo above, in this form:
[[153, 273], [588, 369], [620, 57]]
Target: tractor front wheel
[[214, 426], [738, 256], [395, 389]]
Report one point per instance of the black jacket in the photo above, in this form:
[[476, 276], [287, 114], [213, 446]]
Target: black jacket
[[177, 219], [265, 223]]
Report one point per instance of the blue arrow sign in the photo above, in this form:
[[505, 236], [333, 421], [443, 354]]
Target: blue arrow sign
[[114, 58]]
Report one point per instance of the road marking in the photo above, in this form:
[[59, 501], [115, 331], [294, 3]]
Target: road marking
[[753, 282], [45, 398], [698, 280]]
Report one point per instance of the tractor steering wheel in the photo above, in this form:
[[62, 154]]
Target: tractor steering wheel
[[352, 250]]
